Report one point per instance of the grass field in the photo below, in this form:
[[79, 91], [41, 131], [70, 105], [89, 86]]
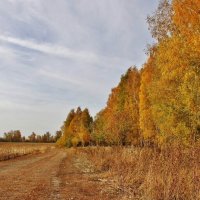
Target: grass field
[[13, 150], [145, 173]]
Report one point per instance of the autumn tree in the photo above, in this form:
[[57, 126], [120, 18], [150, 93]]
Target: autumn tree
[[99, 129], [85, 127], [118, 123], [160, 23], [76, 129], [174, 97], [188, 29], [65, 140], [147, 124]]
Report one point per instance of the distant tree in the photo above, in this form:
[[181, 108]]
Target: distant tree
[[48, 137], [32, 137], [44, 138], [13, 136], [2, 139], [38, 138], [8, 136], [17, 136], [57, 135], [23, 139]]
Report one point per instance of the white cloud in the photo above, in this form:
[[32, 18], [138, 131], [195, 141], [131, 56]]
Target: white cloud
[[7, 55], [51, 49], [64, 52], [58, 76]]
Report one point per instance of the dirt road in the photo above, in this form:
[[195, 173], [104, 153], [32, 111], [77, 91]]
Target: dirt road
[[48, 176]]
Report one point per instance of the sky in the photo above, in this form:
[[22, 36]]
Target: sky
[[58, 55]]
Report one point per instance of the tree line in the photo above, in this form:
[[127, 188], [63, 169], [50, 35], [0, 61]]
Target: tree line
[[158, 104], [16, 136]]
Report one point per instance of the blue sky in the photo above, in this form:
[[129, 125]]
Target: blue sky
[[56, 55]]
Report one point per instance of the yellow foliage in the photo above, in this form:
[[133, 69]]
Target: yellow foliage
[[147, 126]]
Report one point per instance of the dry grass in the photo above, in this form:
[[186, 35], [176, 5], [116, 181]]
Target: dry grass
[[13, 150], [148, 174]]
